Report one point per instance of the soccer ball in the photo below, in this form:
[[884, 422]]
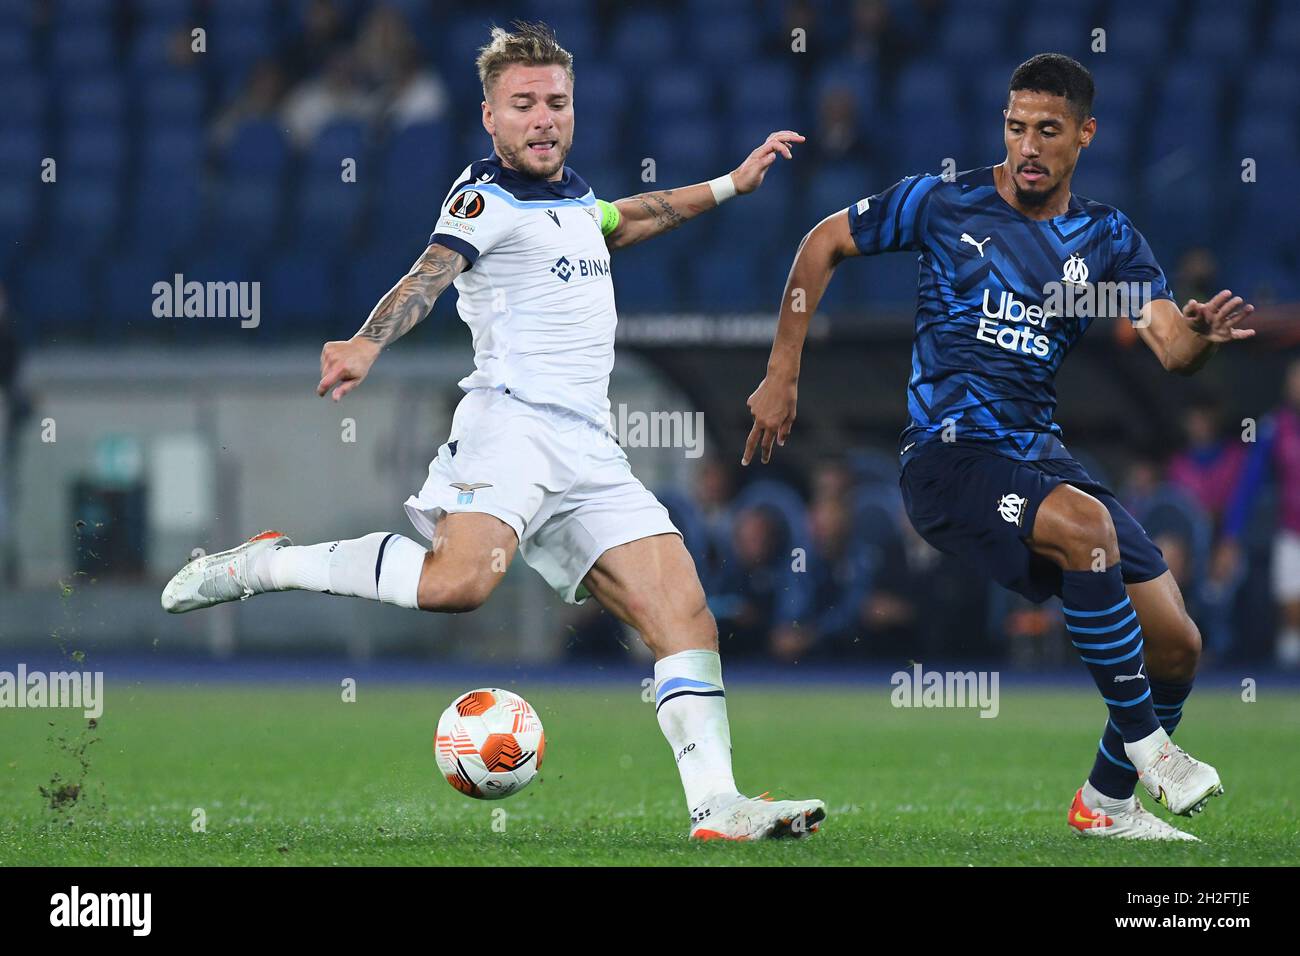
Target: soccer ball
[[489, 743]]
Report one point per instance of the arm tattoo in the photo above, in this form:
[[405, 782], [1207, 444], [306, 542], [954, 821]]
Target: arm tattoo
[[408, 302], [658, 208]]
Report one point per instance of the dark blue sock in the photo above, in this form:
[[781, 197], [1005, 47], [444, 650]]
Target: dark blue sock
[[1104, 628], [1112, 774]]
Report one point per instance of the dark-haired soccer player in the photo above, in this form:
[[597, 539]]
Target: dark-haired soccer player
[[1013, 268]]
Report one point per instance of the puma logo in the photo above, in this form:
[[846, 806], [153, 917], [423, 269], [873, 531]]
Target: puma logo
[[966, 237], [1120, 678]]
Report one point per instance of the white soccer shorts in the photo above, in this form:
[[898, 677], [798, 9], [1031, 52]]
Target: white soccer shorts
[[563, 483]]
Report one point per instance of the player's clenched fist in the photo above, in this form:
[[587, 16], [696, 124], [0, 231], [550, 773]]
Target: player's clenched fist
[[344, 364], [773, 407], [748, 176]]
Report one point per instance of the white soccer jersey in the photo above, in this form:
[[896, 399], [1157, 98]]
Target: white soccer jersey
[[538, 296]]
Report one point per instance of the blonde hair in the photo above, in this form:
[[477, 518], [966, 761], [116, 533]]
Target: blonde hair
[[532, 44]]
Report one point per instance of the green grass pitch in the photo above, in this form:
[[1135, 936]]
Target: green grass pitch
[[292, 775]]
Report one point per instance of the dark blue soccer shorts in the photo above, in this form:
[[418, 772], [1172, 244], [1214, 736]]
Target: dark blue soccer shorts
[[980, 506]]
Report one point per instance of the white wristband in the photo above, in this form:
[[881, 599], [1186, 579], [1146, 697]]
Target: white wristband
[[724, 187]]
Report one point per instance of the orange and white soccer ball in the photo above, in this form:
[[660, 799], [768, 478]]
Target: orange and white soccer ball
[[489, 743]]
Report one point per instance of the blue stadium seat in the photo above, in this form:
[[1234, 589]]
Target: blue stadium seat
[[1265, 136], [722, 41], [94, 98], [578, 35], [373, 270], [128, 278], [336, 141], [149, 53], [416, 175], [601, 88], [728, 274], [1283, 34], [245, 211], [257, 147], [1137, 34], [85, 213], [85, 48], [78, 12], [643, 38], [685, 151], [1274, 81], [15, 49], [17, 213], [966, 36], [235, 47], [596, 140], [168, 215], [298, 293], [57, 293], [1219, 33], [329, 212], [1057, 29], [165, 12], [20, 152], [1120, 89], [766, 92], [25, 101], [648, 278], [176, 100], [170, 150], [553, 9], [93, 148], [678, 94]]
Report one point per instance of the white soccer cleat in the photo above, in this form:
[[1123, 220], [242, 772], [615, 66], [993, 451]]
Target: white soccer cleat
[[755, 818], [1126, 820], [217, 578], [1173, 776]]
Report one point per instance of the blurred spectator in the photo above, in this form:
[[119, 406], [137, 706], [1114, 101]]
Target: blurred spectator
[[336, 94], [823, 615], [388, 55], [259, 100], [714, 490], [839, 127], [1198, 275], [324, 25], [1277, 450], [14, 411], [753, 583], [1210, 466]]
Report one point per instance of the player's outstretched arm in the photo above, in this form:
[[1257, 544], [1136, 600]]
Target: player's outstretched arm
[[343, 365], [648, 214], [773, 402], [1184, 340]]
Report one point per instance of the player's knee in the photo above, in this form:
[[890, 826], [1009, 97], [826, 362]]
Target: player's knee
[[454, 591], [1091, 540]]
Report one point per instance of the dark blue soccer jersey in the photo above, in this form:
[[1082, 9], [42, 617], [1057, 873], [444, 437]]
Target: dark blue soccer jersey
[[1001, 300]]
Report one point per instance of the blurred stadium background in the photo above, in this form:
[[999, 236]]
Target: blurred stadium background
[[130, 440]]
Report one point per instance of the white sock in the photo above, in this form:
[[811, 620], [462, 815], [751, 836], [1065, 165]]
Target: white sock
[[692, 712], [1094, 799], [380, 567]]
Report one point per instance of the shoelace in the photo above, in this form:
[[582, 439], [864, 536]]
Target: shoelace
[[1182, 765]]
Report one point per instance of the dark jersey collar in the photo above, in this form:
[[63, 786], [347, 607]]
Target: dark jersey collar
[[569, 186]]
